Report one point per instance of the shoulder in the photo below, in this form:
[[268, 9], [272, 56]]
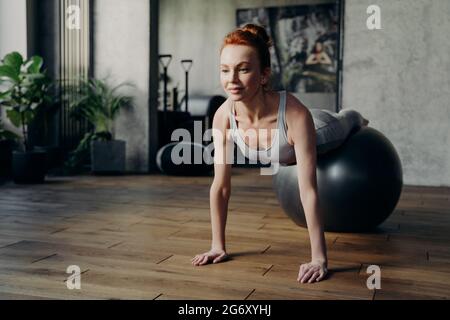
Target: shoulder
[[296, 111], [298, 118], [294, 106], [221, 118]]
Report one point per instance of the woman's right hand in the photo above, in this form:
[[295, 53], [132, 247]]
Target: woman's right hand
[[214, 256]]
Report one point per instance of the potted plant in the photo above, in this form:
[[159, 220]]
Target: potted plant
[[26, 89], [7, 140], [100, 104], [42, 129], [54, 152]]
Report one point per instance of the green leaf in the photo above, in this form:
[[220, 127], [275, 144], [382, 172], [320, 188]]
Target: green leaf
[[14, 117], [9, 73], [36, 64], [33, 77], [5, 94], [34, 105], [29, 116], [8, 135], [8, 103], [14, 60], [81, 152], [23, 108]]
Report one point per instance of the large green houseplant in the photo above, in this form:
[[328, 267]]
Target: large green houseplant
[[99, 103], [25, 88]]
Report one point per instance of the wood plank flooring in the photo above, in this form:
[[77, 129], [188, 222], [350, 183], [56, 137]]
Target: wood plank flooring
[[133, 238]]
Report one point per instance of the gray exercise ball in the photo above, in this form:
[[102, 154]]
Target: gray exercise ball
[[199, 160], [359, 184]]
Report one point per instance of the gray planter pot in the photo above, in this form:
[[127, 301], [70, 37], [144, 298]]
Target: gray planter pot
[[29, 167], [108, 157], [55, 157], [6, 149]]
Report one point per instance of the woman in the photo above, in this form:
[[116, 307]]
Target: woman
[[251, 105], [318, 55]]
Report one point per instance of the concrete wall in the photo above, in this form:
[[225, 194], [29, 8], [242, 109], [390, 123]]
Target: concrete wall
[[399, 78], [13, 36], [121, 52], [194, 29], [13, 27]]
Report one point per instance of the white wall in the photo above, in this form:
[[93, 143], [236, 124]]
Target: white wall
[[121, 51]]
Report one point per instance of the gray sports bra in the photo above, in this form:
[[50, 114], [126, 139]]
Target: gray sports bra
[[280, 151]]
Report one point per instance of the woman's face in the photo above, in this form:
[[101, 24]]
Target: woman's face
[[319, 47], [240, 71]]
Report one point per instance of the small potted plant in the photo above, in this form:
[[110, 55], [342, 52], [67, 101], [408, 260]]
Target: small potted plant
[[26, 89], [100, 104]]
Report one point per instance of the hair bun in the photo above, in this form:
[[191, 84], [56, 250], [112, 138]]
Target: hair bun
[[258, 31]]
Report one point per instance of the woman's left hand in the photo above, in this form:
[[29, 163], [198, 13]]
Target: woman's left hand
[[311, 272]]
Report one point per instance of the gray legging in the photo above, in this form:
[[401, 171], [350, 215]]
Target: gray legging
[[333, 128]]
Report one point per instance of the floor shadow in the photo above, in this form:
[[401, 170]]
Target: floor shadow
[[334, 271], [343, 269], [61, 181], [242, 254]]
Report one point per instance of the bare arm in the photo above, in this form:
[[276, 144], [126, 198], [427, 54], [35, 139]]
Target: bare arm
[[324, 58], [220, 190], [311, 59], [304, 137]]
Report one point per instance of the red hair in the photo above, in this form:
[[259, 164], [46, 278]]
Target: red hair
[[254, 36]]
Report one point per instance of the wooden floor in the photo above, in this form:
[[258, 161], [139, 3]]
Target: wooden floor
[[133, 238]]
